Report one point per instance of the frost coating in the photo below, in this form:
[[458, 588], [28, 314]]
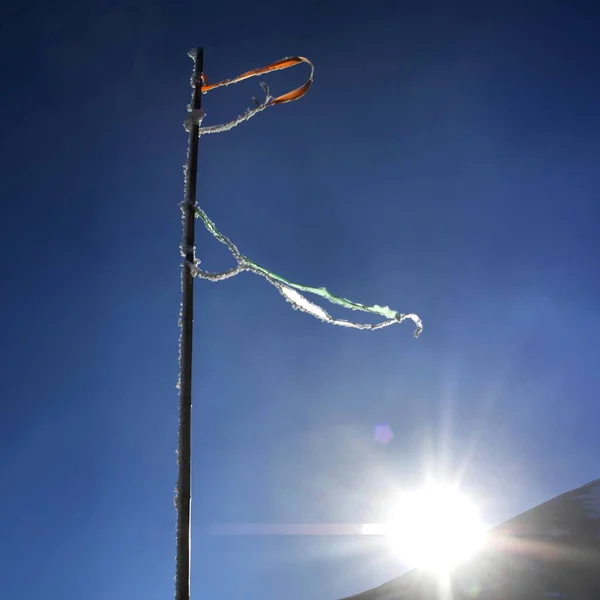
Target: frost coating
[[194, 118], [246, 116], [300, 302]]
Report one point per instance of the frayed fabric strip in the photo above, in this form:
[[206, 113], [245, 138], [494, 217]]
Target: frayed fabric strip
[[291, 291], [296, 94]]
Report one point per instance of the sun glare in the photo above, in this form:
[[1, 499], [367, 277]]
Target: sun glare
[[435, 528]]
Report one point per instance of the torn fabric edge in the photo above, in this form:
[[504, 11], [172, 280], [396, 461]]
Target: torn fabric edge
[[291, 291]]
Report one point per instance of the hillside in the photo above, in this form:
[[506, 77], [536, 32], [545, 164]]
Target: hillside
[[551, 551]]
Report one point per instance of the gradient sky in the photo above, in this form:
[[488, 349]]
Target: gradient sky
[[445, 162]]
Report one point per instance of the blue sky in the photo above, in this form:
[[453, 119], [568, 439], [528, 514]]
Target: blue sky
[[445, 162]]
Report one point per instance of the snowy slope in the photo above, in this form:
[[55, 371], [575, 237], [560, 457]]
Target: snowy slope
[[551, 551]]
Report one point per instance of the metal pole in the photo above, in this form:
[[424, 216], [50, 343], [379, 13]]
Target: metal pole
[[184, 444]]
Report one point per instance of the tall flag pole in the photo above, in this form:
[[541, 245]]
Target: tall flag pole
[[294, 293], [183, 498]]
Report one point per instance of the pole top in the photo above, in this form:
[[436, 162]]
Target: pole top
[[195, 53]]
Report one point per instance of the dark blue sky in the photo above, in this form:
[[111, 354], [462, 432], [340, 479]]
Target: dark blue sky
[[445, 162]]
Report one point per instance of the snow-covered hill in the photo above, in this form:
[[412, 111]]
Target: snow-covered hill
[[551, 551]]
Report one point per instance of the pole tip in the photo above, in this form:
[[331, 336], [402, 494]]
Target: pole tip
[[195, 53]]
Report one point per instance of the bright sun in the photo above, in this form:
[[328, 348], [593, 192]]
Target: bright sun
[[435, 528]]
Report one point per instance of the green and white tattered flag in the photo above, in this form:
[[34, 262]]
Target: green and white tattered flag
[[292, 292]]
